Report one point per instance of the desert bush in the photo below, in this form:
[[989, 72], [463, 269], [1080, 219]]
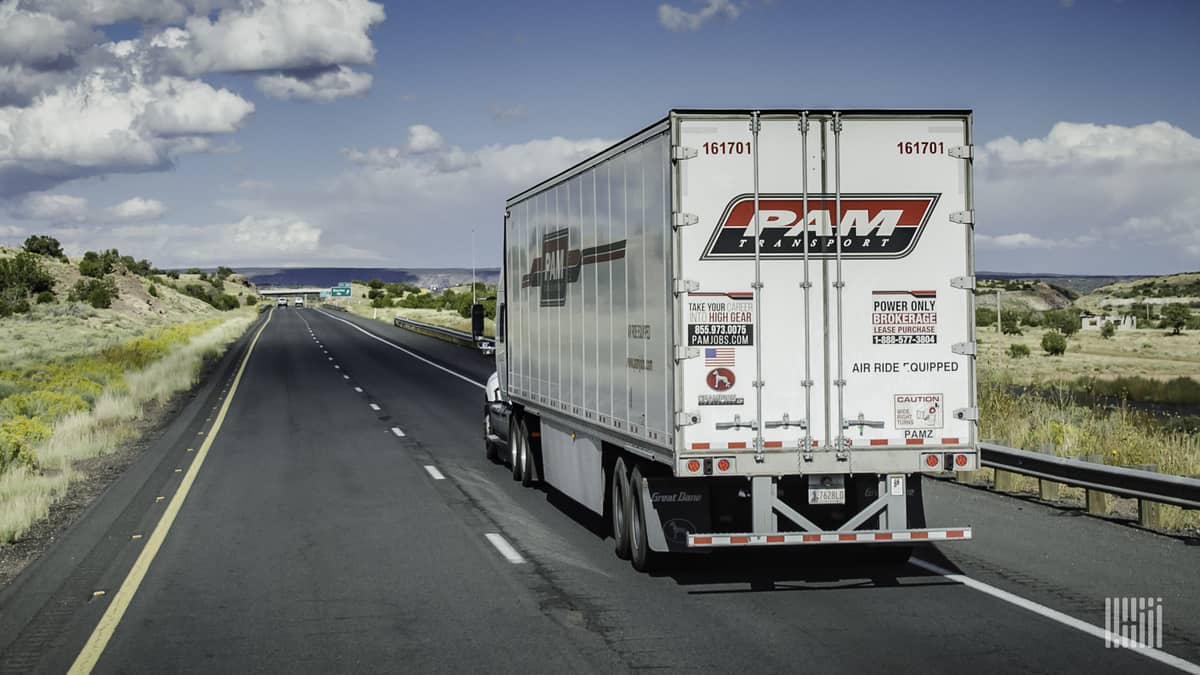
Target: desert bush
[[251, 300], [1108, 330], [21, 276], [985, 316], [98, 293], [1175, 316], [1054, 343], [153, 291], [1009, 325], [225, 302], [1064, 321], [1017, 351], [40, 244]]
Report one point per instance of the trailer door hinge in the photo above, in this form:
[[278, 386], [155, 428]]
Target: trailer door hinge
[[963, 217], [964, 348], [686, 286], [967, 414], [965, 283], [685, 418], [680, 152], [683, 353], [961, 151], [680, 219]]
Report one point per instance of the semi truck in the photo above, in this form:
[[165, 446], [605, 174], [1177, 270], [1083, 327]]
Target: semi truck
[[745, 328]]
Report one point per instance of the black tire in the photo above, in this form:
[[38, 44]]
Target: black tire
[[515, 438], [528, 467], [644, 560], [619, 508], [489, 448]]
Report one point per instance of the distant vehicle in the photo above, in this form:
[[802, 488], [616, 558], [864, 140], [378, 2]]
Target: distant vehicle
[[299, 302], [697, 357], [282, 302]]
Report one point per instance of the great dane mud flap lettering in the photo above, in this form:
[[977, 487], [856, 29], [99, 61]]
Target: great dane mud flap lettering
[[678, 507]]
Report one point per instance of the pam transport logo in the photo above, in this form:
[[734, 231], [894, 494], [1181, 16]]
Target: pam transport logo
[[559, 265], [872, 226]]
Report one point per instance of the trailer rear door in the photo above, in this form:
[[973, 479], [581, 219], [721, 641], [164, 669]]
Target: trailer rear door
[[820, 353]]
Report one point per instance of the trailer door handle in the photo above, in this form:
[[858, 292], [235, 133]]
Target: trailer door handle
[[785, 423], [737, 423], [861, 422]]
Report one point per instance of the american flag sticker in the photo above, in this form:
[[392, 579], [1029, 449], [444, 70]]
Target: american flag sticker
[[718, 356]]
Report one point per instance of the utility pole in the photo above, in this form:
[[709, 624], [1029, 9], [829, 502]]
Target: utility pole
[[473, 299], [998, 292]]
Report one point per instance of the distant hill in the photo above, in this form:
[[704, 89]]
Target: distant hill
[[331, 276], [1080, 283]]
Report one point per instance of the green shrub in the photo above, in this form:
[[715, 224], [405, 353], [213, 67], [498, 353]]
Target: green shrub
[[153, 291], [45, 297], [98, 293], [1175, 316], [22, 275], [1018, 351], [173, 274], [1108, 330], [1009, 325], [40, 244], [985, 316], [381, 302], [251, 300], [18, 436], [225, 302], [1054, 343]]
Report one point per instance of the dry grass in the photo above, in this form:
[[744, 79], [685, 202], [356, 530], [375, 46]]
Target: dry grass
[[26, 493], [1119, 438], [1151, 354]]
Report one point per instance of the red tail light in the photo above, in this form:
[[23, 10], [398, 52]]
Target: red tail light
[[932, 461], [693, 465], [960, 460], [723, 465]]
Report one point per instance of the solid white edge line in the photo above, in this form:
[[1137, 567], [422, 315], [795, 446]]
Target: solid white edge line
[[1054, 615], [510, 554], [398, 431], [433, 471], [375, 407], [393, 345]]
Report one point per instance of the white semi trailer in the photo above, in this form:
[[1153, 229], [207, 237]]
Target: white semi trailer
[[745, 328]]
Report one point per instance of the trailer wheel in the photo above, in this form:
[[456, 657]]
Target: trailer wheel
[[489, 447], [528, 475], [516, 438], [619, 508], [644, 560]]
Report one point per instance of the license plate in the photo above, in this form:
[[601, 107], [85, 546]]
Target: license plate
[[827, 495]]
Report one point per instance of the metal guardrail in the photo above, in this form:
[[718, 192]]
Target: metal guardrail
[[485, 345], [1143, 485]]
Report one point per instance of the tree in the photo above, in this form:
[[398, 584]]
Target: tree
[[1175, 316], [1009, 325], [41, 244], [1108, 330], [1064, 321], [1054, 343], [985, 316]]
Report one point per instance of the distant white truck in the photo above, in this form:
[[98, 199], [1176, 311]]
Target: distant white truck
[[298, 301], [745, 328]]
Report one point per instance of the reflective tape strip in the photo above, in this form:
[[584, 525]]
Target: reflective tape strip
[[789, 538], [914, 441], [700, 446], [773, 444], [737, 445], [949, 441]]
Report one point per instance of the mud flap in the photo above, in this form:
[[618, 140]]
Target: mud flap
[[675, 508]]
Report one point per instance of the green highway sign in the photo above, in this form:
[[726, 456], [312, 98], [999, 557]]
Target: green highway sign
[[340, 291]]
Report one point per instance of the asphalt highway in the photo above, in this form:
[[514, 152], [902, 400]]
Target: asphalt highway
[[345, 519]]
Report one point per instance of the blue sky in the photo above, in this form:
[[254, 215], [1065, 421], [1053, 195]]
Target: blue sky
[[372, 134]]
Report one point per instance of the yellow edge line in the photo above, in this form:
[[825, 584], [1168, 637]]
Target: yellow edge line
[[91, 652]]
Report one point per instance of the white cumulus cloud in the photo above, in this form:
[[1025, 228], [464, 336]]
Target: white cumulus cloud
[[676, 18], [37, 38], [51, 207], [1120, 198], [275, 35], [325, 87], [111, 120], [137, 208]]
